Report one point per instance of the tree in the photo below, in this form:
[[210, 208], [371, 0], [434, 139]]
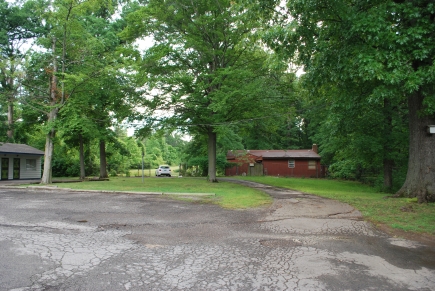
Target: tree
[[385, 46], [207, 64], [77, 127], [80, 43], [288, 130], [360, 140], [19, 24], [111, 99], [112, 94], [194, 154]]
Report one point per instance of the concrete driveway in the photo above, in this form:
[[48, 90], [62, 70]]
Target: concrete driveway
[[60, 240]]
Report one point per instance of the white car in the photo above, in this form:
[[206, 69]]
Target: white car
[[163, 170]]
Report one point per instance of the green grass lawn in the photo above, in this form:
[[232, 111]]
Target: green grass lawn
[[228, 195], [400, 213]]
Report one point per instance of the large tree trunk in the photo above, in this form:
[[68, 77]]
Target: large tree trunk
[[211, 155], [48, 157], [103, 162], [49, 146], [420, 179], [8, 85], [10, 120], [82, 158], [47, 173]]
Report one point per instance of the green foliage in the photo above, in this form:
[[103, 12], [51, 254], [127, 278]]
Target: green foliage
[[123, 153], [207, 63], [20, 23], [65, 163], [194, 153], [362, 62], [198, 165], [356, 136], [289, 128]]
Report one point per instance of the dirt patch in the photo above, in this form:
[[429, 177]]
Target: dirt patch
[[424, 238]]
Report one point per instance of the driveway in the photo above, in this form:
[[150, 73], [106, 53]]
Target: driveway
[[60, 240]]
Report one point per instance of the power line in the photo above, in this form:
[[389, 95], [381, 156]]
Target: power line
[[217, 123]]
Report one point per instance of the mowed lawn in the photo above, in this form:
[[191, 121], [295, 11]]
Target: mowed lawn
[[227, 195], [399, 213]]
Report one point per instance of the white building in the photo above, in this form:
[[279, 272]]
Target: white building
[[19, 161]]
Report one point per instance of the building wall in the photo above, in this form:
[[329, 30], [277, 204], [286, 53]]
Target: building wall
[[281, 168], [242, 166], [30, 174], [237, 170], [253, 169], [25, 173]]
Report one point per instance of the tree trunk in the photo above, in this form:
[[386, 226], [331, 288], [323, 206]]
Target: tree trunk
[[10, 132], [388, 174], [8, 85], [82, 158], [103, 162], [89, 166], [48, 157], [387, 147], [420, 178], [47, 173], [211, 155]]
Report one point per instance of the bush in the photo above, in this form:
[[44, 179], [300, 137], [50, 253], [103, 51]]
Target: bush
[[65, 168]]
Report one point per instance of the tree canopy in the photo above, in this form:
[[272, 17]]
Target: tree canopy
[[207, 66], [19, 26], [222, 71], [382, 51]]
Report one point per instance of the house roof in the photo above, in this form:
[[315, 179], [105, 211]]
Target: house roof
[[275, 154], [15, 148]]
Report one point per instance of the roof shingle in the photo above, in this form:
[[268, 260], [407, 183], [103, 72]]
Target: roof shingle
[[15, 148], [275, 154]]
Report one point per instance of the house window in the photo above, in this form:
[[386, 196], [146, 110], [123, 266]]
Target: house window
[[31, 164], [311, 165], [291, 163]]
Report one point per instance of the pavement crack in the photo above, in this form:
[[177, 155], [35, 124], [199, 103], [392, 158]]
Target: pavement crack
[[342, 213]]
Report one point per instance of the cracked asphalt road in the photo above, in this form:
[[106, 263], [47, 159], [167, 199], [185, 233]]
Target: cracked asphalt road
[[93, 241]]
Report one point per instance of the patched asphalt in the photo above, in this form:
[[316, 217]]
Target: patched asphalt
[[61, 240]]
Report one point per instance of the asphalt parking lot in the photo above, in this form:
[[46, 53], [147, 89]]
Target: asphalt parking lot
[[60, 240]]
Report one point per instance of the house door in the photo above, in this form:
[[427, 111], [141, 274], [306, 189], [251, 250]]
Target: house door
[[256, 170], [16, 168], [5, 169]]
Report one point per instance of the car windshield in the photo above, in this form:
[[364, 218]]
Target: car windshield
[[164, 167]]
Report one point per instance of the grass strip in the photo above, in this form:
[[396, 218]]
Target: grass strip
[[227, 195]]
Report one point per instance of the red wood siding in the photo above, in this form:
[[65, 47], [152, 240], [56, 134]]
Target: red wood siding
[[237, 170], [280, 168], [242, 165]]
